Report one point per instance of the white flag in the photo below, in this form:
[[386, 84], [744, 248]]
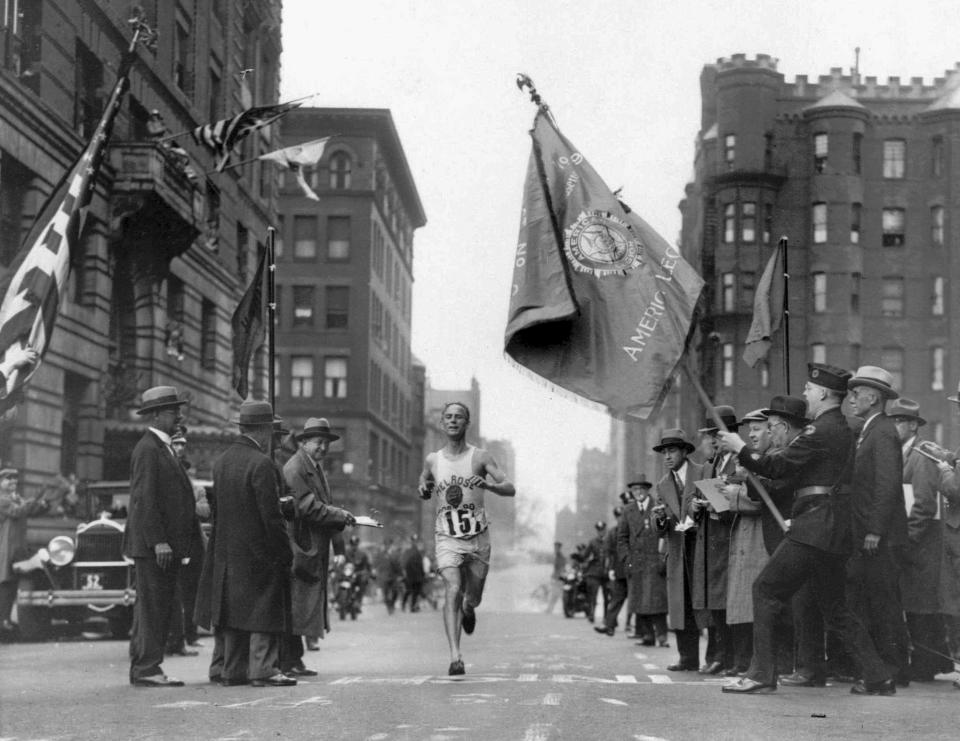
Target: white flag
[[294, 158]]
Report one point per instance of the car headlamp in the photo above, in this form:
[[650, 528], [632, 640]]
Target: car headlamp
[[62, 550]]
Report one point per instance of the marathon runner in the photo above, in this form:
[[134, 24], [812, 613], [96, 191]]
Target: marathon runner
[[458, 474]]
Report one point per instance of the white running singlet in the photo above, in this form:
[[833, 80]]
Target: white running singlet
[[460, 511]]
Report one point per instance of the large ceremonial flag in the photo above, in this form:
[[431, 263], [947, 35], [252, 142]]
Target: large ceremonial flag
[[297, 157], [248, 324], [222, 136], [32, 287], [601, 304], [767, 308]]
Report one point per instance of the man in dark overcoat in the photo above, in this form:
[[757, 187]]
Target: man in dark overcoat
[[674, 492], [616, 578], [594, 572], [638, 546], [250, 601], [159, 533], [311, 530], [878, 519]]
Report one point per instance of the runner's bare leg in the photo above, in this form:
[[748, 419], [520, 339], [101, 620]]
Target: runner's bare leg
[[452, 614], [474, 577]]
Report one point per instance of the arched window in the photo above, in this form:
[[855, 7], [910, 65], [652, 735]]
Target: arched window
[[341, 168]]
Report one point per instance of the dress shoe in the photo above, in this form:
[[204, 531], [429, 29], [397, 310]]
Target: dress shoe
[[799, 679], [663, 644], [844, 678], [299, 671], [456, 668], [747, 686], [469, 622], [313, 644], [734, 671], [602, 629], [714, 667], [886, 687], [157, 680], [183, 652], [680, 667], [277, 680]]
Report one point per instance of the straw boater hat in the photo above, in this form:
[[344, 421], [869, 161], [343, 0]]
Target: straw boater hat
[[874, 377], [317, 427], [676, 438], [640, 480], [792, 408], [255, 414], [159, 397], [725, 413], [904, 408]]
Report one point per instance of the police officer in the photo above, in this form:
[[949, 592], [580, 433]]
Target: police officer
[[817, 542]]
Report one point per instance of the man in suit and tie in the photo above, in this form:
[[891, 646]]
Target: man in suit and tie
[[638, 547], [160, 529], [674, 491], [879, 518]]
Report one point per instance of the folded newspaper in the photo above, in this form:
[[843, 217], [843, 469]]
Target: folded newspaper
[[368, 521]]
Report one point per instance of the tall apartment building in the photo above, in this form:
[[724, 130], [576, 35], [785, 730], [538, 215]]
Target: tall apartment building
[[860, 176], [163, 258], [344, 285], [596, 495]]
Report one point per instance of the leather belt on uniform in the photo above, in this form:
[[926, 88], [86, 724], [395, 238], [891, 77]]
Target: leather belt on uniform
[[811, 491]]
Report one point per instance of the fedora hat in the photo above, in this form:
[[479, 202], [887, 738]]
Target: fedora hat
[[905, 409], [676, 438], [640, 480], [874, 377], [279, 426], [829, 376], [255, 413], [726, 414], [793, 408], [317, 427], [757, 415], [159, 397]]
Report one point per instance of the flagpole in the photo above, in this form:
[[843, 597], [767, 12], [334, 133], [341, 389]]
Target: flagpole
[[761, 490], [271, 314], [784, 242]]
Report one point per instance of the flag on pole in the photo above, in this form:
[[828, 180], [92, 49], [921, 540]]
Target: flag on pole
[[248, 324], [222, 136], [767, 309], [32, 287], [601, 304], [297, 157]]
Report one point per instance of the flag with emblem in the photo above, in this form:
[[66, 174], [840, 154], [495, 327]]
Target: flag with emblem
[[601, 305], [33, 285], [222, 136], [767, 308], [248, 324], [297, 157]]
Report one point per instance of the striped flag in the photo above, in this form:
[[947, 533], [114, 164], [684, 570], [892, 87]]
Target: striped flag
[[222, 136], [32, 287], [248, 324], [295, 158]]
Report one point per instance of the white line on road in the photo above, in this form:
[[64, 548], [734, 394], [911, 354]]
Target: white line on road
[[611, 701], [641, 657], [250, 703], [537, 732], [551, 698], [181, 704], [639, 737], [527, 677], [660, 679], [626, 679], [562, 678], [650, 666]]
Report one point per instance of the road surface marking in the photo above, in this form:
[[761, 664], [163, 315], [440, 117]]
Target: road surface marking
[[347, 680], [639, 737], [626, 679], [563, 678], [527, 677], [181, 704], [318, 700], [551, 698], [641, 657], [611, 701], [537, 732], [660, 679], [249, 703], [650, 666]]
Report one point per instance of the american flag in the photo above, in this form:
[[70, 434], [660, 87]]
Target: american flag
[[32, 287], [222, 136]]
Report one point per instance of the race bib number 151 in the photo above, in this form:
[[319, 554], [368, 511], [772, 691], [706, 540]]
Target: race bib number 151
[[461, 522]]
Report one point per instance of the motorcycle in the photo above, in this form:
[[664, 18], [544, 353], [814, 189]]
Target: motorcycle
[[349, 594], [575, 598]]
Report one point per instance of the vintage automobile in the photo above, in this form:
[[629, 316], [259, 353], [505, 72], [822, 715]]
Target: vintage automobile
[[80, 572]]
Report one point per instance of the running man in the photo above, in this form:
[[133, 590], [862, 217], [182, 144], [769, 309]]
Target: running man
[[459, 473]]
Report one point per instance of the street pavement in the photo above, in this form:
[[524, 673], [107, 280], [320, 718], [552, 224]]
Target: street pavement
[[530, 677]]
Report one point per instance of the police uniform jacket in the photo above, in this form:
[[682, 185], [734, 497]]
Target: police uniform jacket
[[877, 487], [593, 565], [819, 456]]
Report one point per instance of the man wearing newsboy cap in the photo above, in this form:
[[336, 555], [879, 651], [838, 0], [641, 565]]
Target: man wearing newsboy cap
[[159, 533]]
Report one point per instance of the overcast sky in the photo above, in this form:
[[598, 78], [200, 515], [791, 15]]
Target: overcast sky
[[622, 78]]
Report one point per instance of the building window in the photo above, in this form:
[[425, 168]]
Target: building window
[[727, 364], [891, 360], [820, 148], [893, 229], [936, 156], [304, 237], [727, 293], [14, 187], [855, 355], [335, 378], [303, 306], [891, 298], [301, 376], [181, 56], [936, 226], [819, 285], [338, 238], [338, 307], [818, 352], [747, 286], [937, 357], [278, 236], [764, 374], [88, 87], [857, 157], [938, 432], [894, 158], [855, 212], [748, 221], [208, 335], [937, 302], [855, 279], [819, 219], [729, 150], [767, 222], [729, 223], [341, 171], [768, 151]]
